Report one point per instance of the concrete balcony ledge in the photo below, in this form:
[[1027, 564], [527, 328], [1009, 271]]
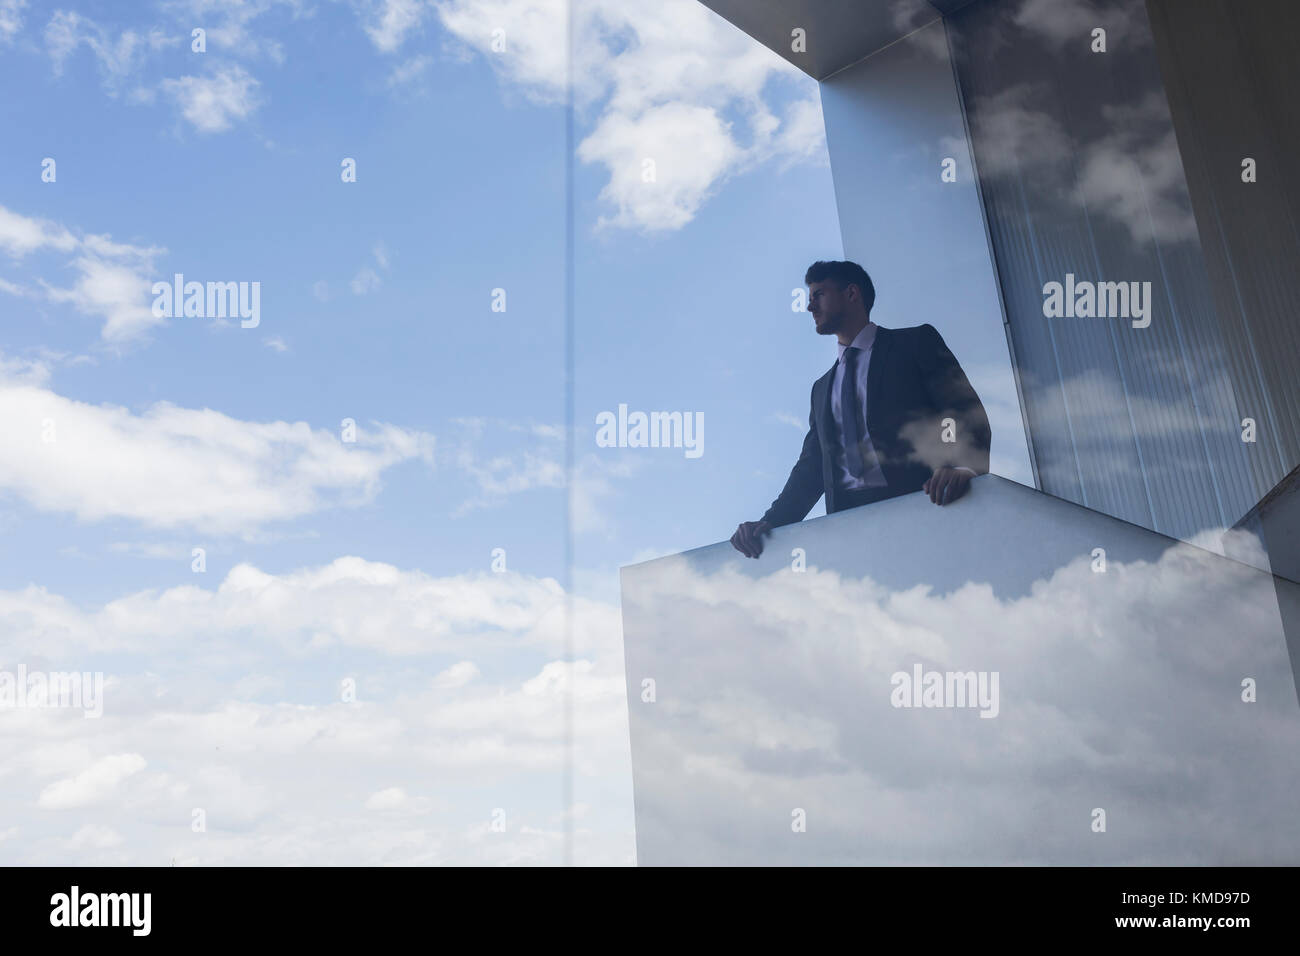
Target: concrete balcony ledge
[[1010, 679]]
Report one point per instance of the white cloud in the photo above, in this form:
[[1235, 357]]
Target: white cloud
[[367, 280], [117, 59], [394, 798], [510, 474], [20, 235], [11, 18], [1133, 175], [227, 22], [679, 84], [347, 603], [408, 773], [593, 485], [519, 469], [210, 102], [409, 71], [173, 467], [213, 102], [802, 137], [95, 837], [1119, 689], [909, 16], [1018, 132], [115, 288], [35, 372], [691, 149], [458, 675], [93, 785], [1137, 179], [514, 470], [1074, 22], [390, 21], [113, 279]]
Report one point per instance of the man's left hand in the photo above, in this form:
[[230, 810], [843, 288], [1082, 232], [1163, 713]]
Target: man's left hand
[[946, 485]]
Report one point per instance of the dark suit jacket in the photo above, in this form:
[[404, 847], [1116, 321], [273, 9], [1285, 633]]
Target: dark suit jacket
[[913, 384]]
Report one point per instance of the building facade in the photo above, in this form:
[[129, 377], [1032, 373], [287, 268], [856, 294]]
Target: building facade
[[1103, 186]]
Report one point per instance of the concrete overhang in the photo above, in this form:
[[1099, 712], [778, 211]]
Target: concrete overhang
[[838, 33]]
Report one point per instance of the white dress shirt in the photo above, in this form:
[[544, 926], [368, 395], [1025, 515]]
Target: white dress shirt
[[873, 475]]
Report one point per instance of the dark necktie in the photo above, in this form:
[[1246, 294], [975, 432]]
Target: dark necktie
[[851, 413]]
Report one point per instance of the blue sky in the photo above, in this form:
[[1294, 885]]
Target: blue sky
[[349, 678], [459, 191], [372, 560]]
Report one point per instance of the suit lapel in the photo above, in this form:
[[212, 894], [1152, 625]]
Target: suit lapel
[[879, 358], [825, 421]]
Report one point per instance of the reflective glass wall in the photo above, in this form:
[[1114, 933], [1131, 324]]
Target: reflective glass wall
[[1134, 382]]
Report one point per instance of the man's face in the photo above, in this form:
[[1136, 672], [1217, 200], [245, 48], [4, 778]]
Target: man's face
[[827, 303]]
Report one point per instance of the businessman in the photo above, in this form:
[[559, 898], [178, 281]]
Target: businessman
[[893, 415]]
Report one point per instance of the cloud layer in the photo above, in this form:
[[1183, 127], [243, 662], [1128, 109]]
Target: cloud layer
[[1120, 690], [112, 282], [172, 467], [231, 702], [678, 91]]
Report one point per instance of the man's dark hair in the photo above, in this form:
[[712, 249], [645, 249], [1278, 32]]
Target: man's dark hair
[[844, 274]]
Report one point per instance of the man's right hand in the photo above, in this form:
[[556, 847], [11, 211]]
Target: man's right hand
[[748, 539]]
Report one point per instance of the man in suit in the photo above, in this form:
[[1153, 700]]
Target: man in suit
[[893, 415]]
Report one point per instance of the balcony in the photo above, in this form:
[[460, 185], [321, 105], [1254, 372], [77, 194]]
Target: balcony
[[1010, 679]]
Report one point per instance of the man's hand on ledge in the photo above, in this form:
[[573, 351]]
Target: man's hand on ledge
[[947, 484], [748, 539]]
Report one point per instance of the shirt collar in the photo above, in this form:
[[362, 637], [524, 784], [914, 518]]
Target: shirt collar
[[863, 340]]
